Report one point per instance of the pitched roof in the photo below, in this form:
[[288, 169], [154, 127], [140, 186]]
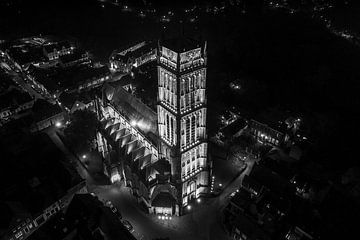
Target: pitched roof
[[234, 127], [58, 46], [76, 55], [163, 199], [42, 109], [68, 99], [14, 98], [250, 228]]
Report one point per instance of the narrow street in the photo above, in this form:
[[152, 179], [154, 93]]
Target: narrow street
[[18, 77]]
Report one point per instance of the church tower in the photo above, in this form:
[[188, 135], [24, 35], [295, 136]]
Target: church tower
[[182, 115]]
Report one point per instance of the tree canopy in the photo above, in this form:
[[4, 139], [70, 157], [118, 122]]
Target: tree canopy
[[82, 130]]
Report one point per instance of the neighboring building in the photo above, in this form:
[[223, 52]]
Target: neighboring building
[[78, 101], [118, 61], [39, 51], [6, 82], [265, 134], [238, 225], [45, 115], [135, 56], [14, 103], [51, 82], [182, 115], [144, 54], [86, 217], [234, 129], [56, 50], [77, 57], [92, 78], [256, 216], [37, 182]]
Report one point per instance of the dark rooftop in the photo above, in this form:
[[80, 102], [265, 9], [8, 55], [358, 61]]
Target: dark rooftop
[[250, 228], [120, 57], [97, 215], [26, 54], [33, 175], [14, 98], [6, 82], [57, 46], [68, 99], [57, 79], [141, 51], [234, 127], [163, 199], [42, 110], [76, 55], [242, 198]]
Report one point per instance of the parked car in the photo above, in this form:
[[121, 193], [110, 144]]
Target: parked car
[[113, 209], [128, 225]]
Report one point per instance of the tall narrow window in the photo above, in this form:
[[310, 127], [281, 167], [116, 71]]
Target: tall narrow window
[[172, 130], [167, 127], [193, 121], [187, 133]]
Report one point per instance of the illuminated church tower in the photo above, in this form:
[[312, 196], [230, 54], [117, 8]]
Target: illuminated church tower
[[182, 115]]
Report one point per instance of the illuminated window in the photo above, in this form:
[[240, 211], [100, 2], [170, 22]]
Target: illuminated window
[[18, 234]]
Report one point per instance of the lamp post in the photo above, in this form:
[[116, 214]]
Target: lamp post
[[166, 218]]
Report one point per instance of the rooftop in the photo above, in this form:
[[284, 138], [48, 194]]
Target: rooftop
[[76, 55], [56, 46], [250, 228], [14, 98], [27, 54], [57, 79], [68, 99], [6, 82], [42, 110], [142, 50], [234, 127], [35, 174], [163, 199], [97, 215]]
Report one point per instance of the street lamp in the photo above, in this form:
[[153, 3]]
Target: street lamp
[[198, 200], [133, 123], [58, 124], [84, 156], [188, 207]]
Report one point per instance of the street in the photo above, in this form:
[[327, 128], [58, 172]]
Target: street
[[18, 77], [203, 222]]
